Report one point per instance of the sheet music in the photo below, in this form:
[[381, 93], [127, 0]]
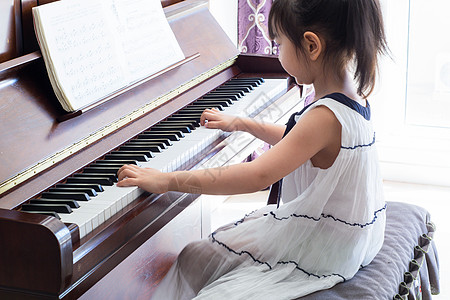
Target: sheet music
[[96, 47], [146, 37]]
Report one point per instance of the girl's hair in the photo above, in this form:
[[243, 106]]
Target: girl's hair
[[352, 29]]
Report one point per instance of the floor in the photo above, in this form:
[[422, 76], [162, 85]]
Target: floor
[[435, 199]]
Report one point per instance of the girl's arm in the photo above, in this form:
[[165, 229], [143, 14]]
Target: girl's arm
[[317, 133], [269, 133]]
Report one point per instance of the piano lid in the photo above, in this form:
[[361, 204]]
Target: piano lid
[[32, 140]]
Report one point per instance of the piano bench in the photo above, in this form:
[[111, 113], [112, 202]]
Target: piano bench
[[406, 266]]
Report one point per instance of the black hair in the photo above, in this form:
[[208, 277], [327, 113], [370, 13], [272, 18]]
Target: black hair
[[353, 31]]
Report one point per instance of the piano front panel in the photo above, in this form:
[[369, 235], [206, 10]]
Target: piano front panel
[[141, 271]]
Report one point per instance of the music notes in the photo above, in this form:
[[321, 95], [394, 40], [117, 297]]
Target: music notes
[[95, 47]]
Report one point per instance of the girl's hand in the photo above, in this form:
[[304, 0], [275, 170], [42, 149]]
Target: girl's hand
[[148, 179], [214, 119]]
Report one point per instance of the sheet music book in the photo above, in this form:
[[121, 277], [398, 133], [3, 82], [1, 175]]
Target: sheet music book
[[93, 48]]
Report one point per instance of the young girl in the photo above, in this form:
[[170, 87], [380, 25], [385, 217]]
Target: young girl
[[331, 221]]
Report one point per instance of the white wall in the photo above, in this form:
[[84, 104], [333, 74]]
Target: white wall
[[225, 12]]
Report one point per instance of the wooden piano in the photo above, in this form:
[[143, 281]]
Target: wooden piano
[[124, 250]]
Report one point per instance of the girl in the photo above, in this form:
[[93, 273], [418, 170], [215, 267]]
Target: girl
[[332, 218]]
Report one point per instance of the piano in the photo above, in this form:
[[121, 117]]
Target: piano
[[66, 230]]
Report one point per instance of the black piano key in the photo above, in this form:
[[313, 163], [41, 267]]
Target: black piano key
[[201, 107], [190, 114], [127, 156], [66, 195], [155, 135], [147, 153], [195, 118], [162, 127], [96, 187], [211, 103], [102, 169], [156, 142], [259, 80], [249, 82], [227, 88], [213, 100], [91, 180], [222, 95], [143, 147], [197, 112], [243, 86], [47, 213], [112, 176], [59, 208], [90, 191], [192, 124], [116, 161], [71, 203]]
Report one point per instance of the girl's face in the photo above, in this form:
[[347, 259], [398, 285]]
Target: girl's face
[[292, 60]]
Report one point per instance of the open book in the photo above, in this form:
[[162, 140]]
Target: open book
[[93, 48]]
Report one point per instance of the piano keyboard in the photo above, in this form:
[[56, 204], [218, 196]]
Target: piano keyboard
[[90, 198]]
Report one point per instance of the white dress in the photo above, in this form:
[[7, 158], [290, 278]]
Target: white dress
[[330, 223]]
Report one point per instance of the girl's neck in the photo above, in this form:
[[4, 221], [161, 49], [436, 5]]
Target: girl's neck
[[329, 85]]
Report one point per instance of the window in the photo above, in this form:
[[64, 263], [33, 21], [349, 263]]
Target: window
[[412, 101]]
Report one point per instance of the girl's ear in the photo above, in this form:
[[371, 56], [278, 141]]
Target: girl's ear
[[313, 45]]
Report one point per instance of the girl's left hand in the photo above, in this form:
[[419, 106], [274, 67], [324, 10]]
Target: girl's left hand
[[148, 179]]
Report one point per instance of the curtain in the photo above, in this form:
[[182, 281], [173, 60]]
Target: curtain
[[253, 33]]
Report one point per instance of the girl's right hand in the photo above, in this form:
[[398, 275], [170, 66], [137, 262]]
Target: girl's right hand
[[214, 119]]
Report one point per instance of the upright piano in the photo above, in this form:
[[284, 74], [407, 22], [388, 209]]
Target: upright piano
[[66, 230]]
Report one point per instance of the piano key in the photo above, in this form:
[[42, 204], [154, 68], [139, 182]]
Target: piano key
[[201, 107], [192, 124], [112, 176], [196, 112], [93, 213], [220, 100], [163, 143], [127, 156], [89, 191], [149, 143], [211, 103], [227, 88], [190, 114], [71, 203], [178, 133], [168, 135], [116, 161], [184, 129], [222, 95], [240, 86], [249, 82], [103, 181], [102, 169], [147, 153], [140, 147], [58, 208], [259, 80], [66, 195], [96, 187], [195, 117]]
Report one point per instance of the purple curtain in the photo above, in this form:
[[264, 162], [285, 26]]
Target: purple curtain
[[253, 33]]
